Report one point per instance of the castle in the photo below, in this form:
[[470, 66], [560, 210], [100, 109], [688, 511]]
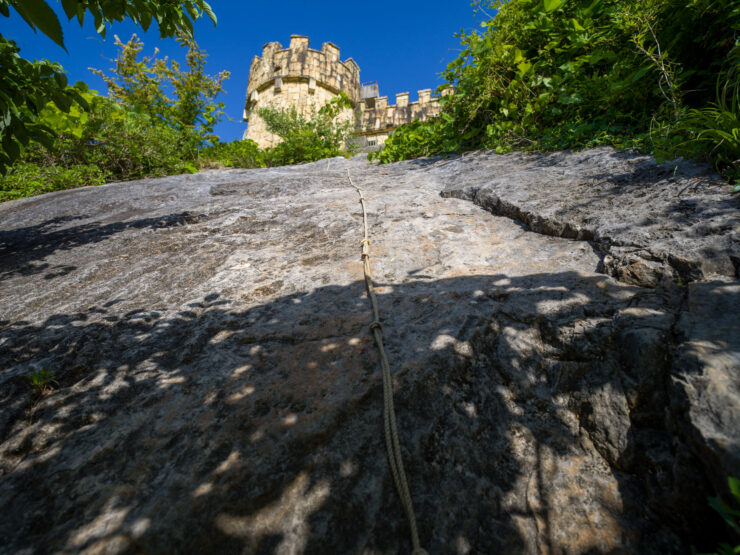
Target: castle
[[307, 79]]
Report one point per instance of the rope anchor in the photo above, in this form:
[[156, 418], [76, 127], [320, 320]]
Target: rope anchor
[[392, 444]]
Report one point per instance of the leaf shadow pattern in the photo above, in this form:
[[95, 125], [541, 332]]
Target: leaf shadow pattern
[[20, 248], [524, 406]]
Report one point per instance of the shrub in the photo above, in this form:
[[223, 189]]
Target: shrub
[[323, 134], [122, 143], [577, 73], [27, 87], [143, 86], [236, 154], [712, 133], [26, 179], [129, 145]]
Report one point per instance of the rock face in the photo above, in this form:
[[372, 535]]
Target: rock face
[[565, 351]]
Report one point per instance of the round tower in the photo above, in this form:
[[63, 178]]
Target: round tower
[[296, 76]]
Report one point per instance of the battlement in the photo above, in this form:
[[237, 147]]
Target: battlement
[[377, 115], [300, 63]]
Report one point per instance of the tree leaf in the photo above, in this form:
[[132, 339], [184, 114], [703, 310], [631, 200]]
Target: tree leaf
[[19, 130], [11, 147], [209, 12], [61, 80], [37, 13], [145, 19], [552, 5], [44, 137], [70, 8], [62, 101]]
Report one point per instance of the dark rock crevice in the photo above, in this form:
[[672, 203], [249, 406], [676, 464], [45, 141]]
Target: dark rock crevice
[[646, 224], [628, 262], [632, 424]]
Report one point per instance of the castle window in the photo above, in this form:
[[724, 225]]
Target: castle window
[[371, 142]]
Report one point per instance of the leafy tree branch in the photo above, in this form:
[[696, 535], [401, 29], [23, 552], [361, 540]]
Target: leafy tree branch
[[26, 87]]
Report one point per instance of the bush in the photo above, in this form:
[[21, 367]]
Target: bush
[[236, 154], [553, 74], [143, 85], [27, 179], [130, 146], [27, 87], [323, 134], [122, 143], [712, 133]]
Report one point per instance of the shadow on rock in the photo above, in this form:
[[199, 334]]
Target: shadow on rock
[[20, 248], [535, 415]]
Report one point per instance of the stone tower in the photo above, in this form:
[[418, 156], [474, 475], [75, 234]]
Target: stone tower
[[296, 76], [307, 79]]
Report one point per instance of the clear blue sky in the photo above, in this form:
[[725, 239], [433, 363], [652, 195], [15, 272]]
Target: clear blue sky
[[402, 45]]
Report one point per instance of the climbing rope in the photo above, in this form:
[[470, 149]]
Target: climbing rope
[[392, 445]]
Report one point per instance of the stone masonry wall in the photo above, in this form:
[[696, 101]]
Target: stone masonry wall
[[377, 119], [296, 76], [292, 93]]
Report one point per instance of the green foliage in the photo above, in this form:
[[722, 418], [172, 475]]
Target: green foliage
[[138, 132], [415, 139], [306, 139], [26, 87], [548, 74], [27, 179], [539, 66], [41, 380], [325, 133], [172, 17], [127, 145], [731, 515], [124, 144], [142, 85], [236, 154], [713, 132], [106, 143]]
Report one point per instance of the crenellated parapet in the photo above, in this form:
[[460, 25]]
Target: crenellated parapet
[[377, 116], [319, 68]]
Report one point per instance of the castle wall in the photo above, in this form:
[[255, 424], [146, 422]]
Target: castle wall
[[296, 93], [377, 119], [304, 78]]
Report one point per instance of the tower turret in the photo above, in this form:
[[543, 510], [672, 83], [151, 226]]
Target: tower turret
[[297, 76]]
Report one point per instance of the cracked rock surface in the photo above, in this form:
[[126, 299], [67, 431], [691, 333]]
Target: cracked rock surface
[[565, 351]]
